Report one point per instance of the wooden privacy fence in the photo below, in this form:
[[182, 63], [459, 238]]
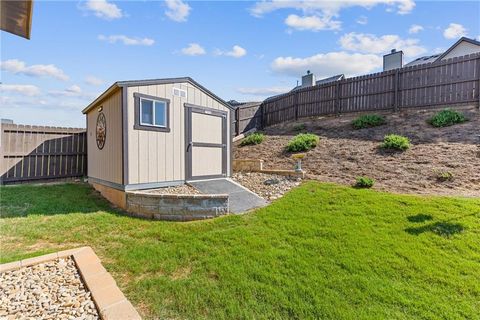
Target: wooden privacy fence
[[247, 117], [36, 153], [446, 83]]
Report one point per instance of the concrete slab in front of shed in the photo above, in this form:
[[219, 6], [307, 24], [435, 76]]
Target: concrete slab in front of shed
[[240, 199]]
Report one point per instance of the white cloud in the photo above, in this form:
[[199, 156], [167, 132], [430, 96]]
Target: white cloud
[[73, 91], [43, 104], [415, 28], [331, 8], [263, 91], [128, 41], [23, 89], [104, 9], [320, 15], [454, 31], [363, 20], [313, 23], [94, 81], [328, 64], [236, 52], [177, 10], [37, 70], [193, 49], [369, 43]]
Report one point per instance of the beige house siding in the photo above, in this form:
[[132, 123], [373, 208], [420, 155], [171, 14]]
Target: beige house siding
[[462, 49], [106, 164], [160, 156]]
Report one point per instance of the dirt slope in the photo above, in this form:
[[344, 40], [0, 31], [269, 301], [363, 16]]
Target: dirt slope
[[344, 153]]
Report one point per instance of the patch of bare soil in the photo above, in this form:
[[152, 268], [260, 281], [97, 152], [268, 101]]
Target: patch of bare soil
[[344, 153]]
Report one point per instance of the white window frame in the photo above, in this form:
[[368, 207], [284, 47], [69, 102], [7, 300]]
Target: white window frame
[[153, 113]]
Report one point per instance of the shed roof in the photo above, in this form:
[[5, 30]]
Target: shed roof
[[147, 82]]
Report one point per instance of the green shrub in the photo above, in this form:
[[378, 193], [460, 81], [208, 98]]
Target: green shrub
[[254, 138], [364, 182], [299, 127], [395, 142], [302, 142], [444, 176], [368, 121], [447, 118]]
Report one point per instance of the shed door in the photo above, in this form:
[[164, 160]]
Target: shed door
[[206, 143]]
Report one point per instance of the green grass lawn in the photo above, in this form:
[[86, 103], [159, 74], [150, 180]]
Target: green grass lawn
[[322, 251]]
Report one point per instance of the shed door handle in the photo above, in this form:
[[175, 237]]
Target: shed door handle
[[189, 145]]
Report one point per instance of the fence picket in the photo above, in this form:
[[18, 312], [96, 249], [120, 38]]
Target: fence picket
[[35, 152], [450, 82]]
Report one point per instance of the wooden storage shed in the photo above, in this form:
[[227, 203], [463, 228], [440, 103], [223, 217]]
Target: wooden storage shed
[[156, 133]]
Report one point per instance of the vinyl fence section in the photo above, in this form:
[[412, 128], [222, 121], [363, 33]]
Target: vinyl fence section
[[447, 83], [29, 153]]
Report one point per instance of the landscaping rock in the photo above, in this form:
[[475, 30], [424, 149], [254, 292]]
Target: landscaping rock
[[267, 186], [50, 290], [344, 153], [183, 189], [270, 182]]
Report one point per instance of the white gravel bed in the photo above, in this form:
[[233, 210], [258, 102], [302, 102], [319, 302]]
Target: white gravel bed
[[267, 186], [50, 290], [183, 189]]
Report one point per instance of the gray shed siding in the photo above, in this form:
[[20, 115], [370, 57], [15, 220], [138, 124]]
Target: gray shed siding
[[158, 157], [106, 164]]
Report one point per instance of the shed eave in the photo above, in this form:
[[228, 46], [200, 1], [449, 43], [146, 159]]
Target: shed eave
[[105, 94], [133, 83]]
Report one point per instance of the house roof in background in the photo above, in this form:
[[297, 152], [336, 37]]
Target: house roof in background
[[148, 82], [440, 56], [330, 79], [235, 104], [423, 60], [16, 17], [462, 39]]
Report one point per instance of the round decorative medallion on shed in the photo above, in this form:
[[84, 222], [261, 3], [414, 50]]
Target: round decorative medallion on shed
[[101, 131]]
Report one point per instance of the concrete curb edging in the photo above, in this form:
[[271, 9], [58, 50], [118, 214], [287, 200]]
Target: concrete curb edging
[[109, 300]]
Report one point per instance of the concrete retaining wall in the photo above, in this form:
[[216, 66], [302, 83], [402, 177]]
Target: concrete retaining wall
[[176, 207], [246, 165], [256, 165]]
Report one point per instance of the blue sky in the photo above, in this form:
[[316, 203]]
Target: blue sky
[[243, 50]]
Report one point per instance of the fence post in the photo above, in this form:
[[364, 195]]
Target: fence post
[[296, 105], [478, 75], [336, 106], [396, 86], [264, 118], [261, 115], [237, 121]]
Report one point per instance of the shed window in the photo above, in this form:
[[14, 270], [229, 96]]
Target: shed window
[[153, 113]]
